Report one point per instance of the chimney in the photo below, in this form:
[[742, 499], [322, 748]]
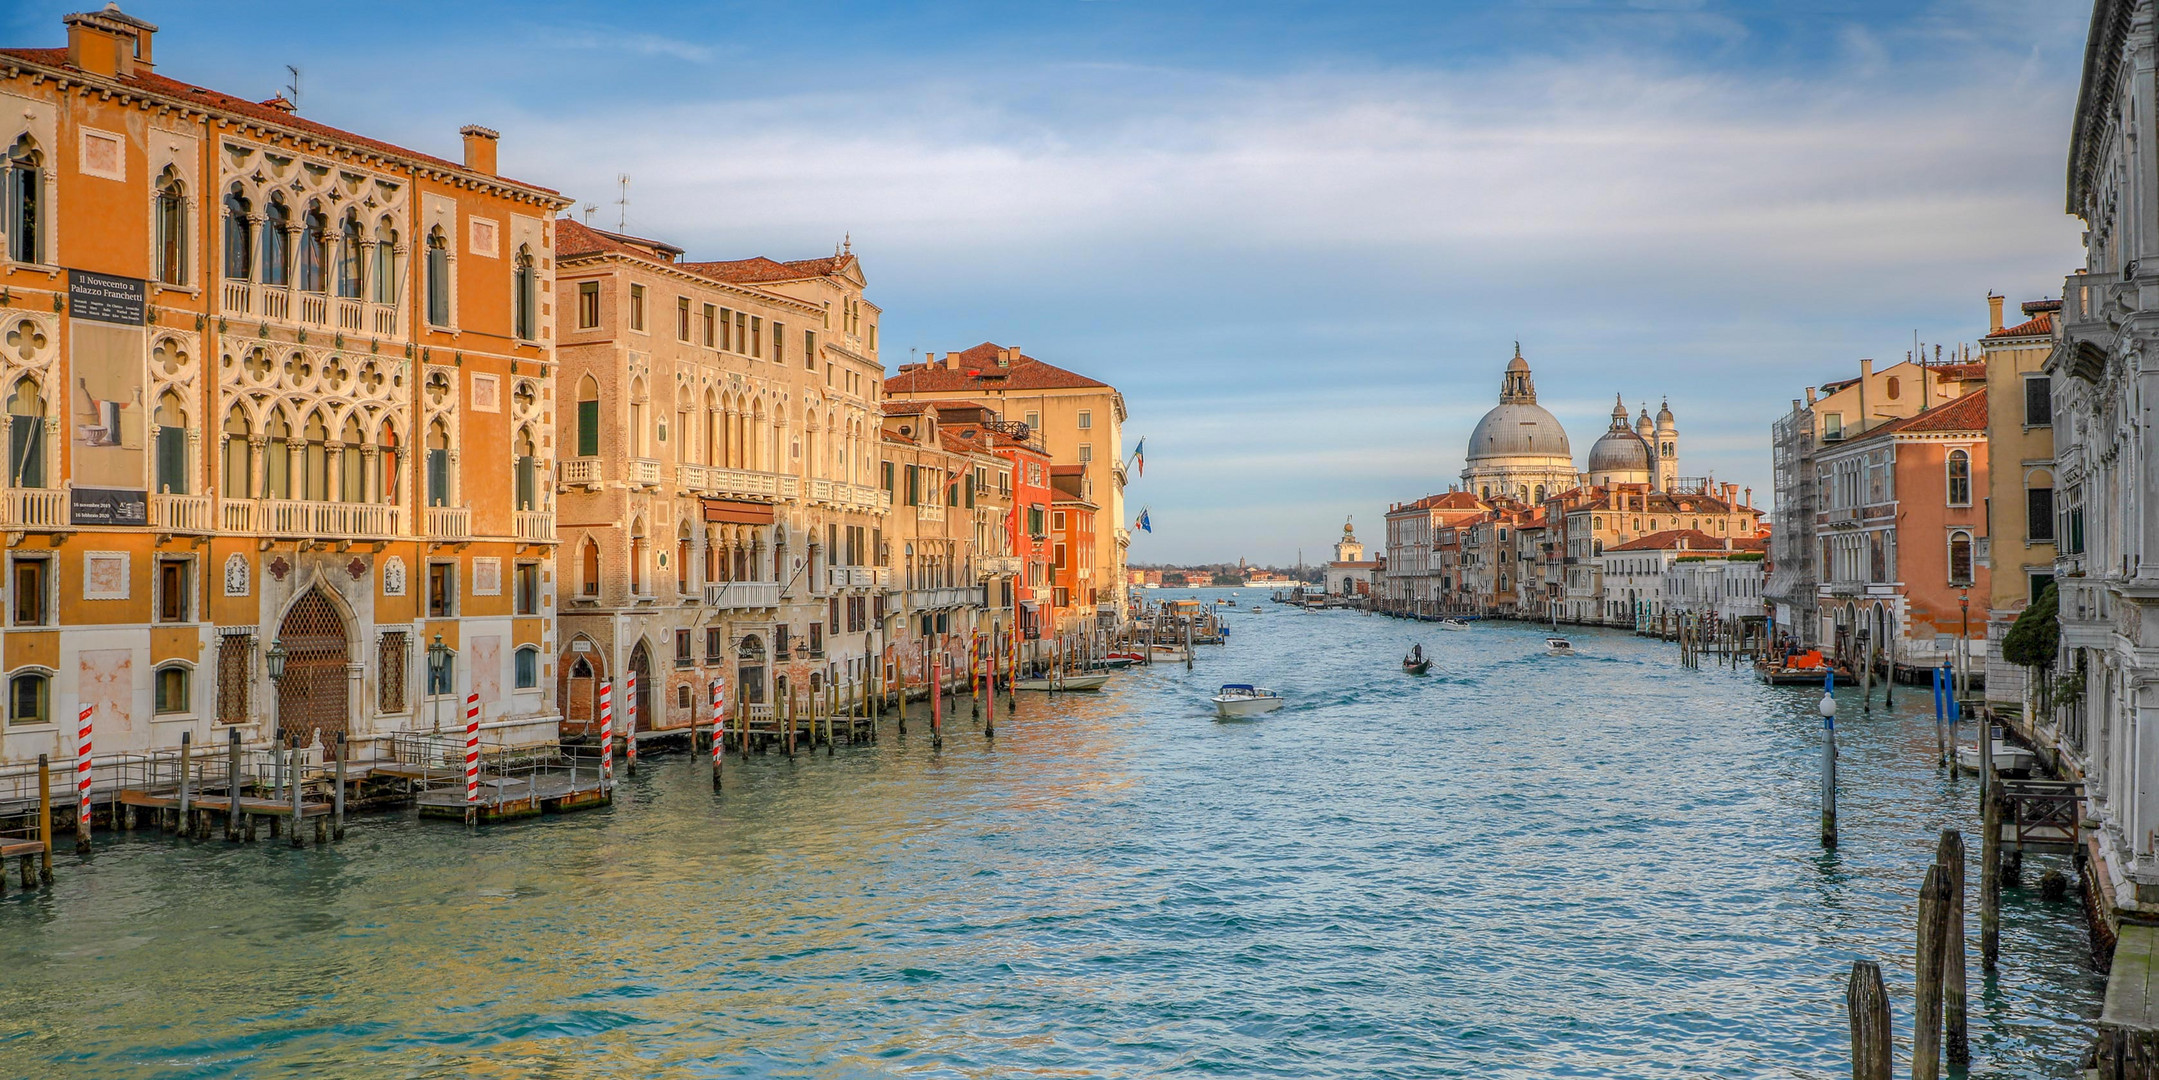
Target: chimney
[[1994, 312], [480, 148], [1810, 398], [1866, 371], [952, 361], [109, 42]]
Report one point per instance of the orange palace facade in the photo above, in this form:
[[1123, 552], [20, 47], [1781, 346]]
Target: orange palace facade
[[269, 388]]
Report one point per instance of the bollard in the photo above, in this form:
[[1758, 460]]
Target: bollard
[[1828, 710], [82, 781], [187, 759], [1950, 857], [472, 750], [1867, 1004], [298, 813], [720, 731], [607, 737], [937, 700], [44, 818], [337, 798], [1990, 881], [232, 783], [1927, 970]]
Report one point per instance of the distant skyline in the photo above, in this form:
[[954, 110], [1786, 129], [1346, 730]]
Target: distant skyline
[[1301, 238]]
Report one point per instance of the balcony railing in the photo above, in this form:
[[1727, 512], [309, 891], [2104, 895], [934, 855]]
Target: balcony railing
[[737, 483], [314, 309], [34, 508], [236, 515], [536, 526], [345, 314], [581, 470], [237, 298], [182, 513], [449, 522], [693, 477], [645, 472], [931, 511], [312, 520], [955, 596], [743, 594]]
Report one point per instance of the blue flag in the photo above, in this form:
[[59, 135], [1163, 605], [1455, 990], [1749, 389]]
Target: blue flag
[[1142, 524]]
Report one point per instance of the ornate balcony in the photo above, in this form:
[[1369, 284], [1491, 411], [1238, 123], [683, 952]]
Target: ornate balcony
[[309, 520], [182, 514], [956, 596], [34, 508], [449, 523], [740, 595], [644, 472], [536, 526], [581, 470]]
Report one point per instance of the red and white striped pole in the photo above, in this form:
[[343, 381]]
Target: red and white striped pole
[[472, 758], [607, 735], [82, 778], [720, 729], [629, 724]]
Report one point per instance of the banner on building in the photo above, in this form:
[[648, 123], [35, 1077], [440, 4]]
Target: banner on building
[[108, 421]]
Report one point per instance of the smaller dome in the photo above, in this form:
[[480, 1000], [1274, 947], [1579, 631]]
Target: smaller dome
[[1642, 424], [1620, 450], [1664, 415]]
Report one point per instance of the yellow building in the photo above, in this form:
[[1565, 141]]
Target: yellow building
[[721, 519], [269, 386], [2020, 477], [1080, 420]]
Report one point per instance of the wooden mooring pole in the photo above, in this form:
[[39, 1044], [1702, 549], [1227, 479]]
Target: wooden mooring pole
[[1927, 970], [1867, 1004], [1990, 878], [44, 817], [232, 783], [1950, 857], [337, 808], [1828, 709]]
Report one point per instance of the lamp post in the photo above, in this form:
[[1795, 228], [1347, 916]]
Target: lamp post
[[275, 656], [438, 662]]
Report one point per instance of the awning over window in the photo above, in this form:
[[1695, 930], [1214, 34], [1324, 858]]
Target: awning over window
[[738, 511]]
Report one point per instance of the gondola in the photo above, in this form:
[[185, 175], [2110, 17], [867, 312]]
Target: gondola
[[1416, 663]]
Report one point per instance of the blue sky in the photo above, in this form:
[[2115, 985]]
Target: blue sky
[[1301, 237]]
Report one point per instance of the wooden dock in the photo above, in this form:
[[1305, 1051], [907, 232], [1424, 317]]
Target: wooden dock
[[2129, 1021], [503, 797]]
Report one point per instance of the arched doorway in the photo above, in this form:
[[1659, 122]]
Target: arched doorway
[[314, 696], [641, 666], [580, 680]]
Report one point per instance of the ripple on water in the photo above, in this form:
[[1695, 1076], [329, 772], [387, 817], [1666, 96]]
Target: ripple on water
[[1521, 866]]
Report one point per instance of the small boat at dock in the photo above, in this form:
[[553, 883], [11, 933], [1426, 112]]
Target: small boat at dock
[[1125, 658], [1235, 701], [2008, 758], [1416, 663], [1799, 669], [1170, 654], [1063, 682]]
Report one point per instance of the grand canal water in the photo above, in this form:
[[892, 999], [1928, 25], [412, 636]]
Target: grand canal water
[[1598, 866]]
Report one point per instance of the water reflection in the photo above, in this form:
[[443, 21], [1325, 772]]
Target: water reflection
[[1601, 865]]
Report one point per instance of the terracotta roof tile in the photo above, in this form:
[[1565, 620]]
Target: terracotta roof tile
[[150, 82], [978, 372], [1967, 413], [2040, 325], [1686, 539]]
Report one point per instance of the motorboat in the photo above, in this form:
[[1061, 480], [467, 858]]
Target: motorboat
[[1416, 662], [1555, 645], [1124, 658], [2008, 757], [1256, 609], [1063, 682], [1453, 624], [1235, 701], [1171, 654]]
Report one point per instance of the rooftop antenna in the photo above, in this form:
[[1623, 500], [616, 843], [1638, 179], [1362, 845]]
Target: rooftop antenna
[[622, 202], [292, 90], [590, 209]]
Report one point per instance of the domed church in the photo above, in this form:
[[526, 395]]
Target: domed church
[[1520, 451]]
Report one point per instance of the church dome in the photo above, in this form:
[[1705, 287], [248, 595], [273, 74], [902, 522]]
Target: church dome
[[1621, 449], [1518, 429]]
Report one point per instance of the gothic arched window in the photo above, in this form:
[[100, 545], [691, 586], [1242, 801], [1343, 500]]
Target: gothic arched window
[[348, 258], [438, 278], [382, 272], [526, 300], [239, 236], [171, 212], [315, 252], [26, 435], [25, 197], [276, 242]]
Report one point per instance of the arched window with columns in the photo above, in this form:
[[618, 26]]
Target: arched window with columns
[[382, 268], [277, 242], [349, 245], [239, 236], [351, 461], [239, 455], [26, 434], [170, 209], [277, 457], [24, 199], [171, 444]]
